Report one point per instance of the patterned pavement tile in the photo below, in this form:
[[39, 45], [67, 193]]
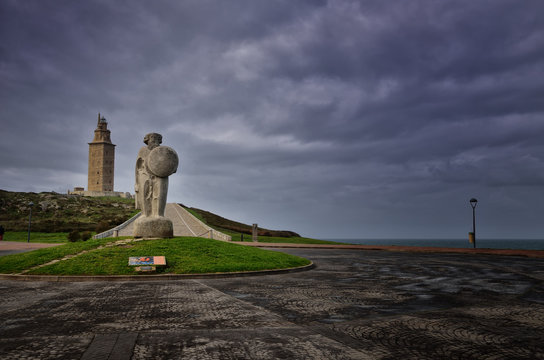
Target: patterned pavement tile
[[353, 305]]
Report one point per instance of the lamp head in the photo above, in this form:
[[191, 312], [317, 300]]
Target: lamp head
[[473, 202]]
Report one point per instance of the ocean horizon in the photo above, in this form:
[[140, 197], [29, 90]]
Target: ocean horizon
[[525, 244]]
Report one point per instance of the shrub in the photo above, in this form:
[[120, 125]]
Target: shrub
[[102, 226], [86, 235], [74, 236], [118, 220]]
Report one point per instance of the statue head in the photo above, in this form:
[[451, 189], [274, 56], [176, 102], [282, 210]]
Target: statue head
[[152, 140]]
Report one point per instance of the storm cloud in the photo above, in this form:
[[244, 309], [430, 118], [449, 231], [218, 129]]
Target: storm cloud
[[334, 119]]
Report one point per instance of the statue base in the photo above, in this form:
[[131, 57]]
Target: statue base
[[153, 227]]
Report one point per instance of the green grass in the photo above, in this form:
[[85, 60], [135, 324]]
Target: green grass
[[184, 255], [36, 237], [275, 239], [16, 263], [293, 240]]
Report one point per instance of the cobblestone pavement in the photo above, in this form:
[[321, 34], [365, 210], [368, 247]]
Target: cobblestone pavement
[[353, 305]]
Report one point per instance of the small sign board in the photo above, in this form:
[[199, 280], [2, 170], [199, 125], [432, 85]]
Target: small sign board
[[147, 261], [145, 268]]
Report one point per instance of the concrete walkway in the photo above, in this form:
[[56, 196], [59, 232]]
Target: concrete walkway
[[185, 224], [354, 305]]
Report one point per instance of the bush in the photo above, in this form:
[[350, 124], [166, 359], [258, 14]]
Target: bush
[[74, 236], [118, 220], [86, 235], [102, 226]]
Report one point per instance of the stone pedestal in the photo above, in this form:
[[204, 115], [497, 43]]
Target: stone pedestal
[[153, 227]]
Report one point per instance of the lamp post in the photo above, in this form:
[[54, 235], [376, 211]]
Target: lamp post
[[473, 203], [31, 204]]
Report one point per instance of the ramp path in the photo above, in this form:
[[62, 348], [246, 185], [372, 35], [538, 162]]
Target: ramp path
[[185, 224]]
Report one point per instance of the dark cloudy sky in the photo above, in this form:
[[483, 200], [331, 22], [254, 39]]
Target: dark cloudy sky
[[365, 119]]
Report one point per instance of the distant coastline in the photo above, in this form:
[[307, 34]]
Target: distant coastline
[[525, 244]]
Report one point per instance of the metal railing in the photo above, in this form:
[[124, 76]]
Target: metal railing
[[109, 233], [214, 234], [210, 233]]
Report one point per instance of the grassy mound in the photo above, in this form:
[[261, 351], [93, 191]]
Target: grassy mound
[[12, 264], [184, 255]]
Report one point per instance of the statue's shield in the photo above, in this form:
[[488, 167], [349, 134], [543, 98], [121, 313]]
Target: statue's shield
[[162, 161]]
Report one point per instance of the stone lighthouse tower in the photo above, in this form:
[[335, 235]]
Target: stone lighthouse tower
[[101, 158]]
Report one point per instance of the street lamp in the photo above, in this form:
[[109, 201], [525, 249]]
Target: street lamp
[[31, 204], [473, 203]]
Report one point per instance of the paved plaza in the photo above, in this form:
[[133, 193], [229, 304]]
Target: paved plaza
[[354, 304], [15, 247]]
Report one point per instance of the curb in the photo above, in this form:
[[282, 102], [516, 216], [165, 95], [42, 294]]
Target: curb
[[143, 277], [402, 248]]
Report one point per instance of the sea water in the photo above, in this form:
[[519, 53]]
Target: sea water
[[454, 243]]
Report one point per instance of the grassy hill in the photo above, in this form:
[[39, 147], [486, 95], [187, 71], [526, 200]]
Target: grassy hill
[[228, 226], [53, 212], [242, 232]]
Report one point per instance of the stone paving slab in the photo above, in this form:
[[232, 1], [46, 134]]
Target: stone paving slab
[[353, 305], [250, 343], [44, 348], [111, 346]]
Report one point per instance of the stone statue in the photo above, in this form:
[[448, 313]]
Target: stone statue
[[153, 166]]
